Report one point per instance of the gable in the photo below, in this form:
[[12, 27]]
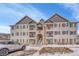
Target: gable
[[32, 22], [58, 18], [48, 21], [24, 20], [41, 21]]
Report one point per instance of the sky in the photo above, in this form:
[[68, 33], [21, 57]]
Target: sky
[[12, 12]]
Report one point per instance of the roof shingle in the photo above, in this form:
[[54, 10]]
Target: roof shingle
[[24, 20]]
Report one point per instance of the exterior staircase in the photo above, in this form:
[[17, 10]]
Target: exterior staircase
[[39, 42]]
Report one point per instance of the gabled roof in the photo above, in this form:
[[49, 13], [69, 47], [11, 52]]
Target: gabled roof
[[32, 22], [24, 20], [48, 21], [57, 18], [41, 20], [39, 23]]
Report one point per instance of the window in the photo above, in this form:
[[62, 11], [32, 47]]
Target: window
[[64, 24], [50, 41], [12, 34], [71, 24], [64, 32], [67, 40], [50, 34], [23, 33], [23, 26], [17, 33], [74, 40], [17, 41], [55, 40], [17, 27], [27, 26], [59, 25], [20, 40], [31, 27], [71, 41], [32, 34], [75, 32], [20, 27], [31, 41], [55, 25], [27, 33], [67, 24], [59, 42], [57, 32], [23, 40], [20, 33], [63, 41], [72, 32]]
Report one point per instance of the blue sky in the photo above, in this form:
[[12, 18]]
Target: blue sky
[[11, 13]]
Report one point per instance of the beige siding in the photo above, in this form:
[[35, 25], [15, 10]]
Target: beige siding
[[55, 39]]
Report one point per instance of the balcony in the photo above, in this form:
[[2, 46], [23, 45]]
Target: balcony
[[32, 34], [31, 27], [49, 26], [39, 28], [49, 34]]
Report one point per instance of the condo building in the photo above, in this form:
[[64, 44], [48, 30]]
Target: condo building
[[55, 30]]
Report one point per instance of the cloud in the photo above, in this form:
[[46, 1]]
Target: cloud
[[4, 29], [74, 9], [29, 10], [8, 16], [10, 13]]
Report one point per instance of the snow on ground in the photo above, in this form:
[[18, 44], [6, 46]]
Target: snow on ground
[[76, 51], [75, 48]]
